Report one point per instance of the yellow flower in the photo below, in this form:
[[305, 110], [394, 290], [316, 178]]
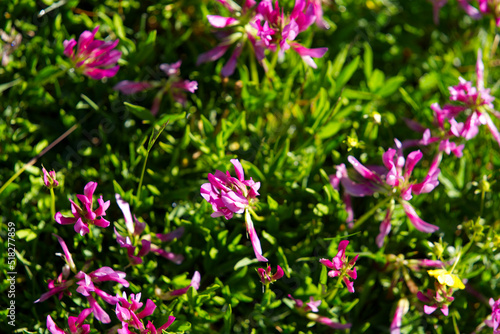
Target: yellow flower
[[446, 278]]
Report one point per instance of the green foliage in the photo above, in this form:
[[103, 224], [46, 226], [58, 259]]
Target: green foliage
[[289, 127]]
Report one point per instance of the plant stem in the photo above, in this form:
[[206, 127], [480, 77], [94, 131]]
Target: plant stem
[[367, 215], [52, 202]]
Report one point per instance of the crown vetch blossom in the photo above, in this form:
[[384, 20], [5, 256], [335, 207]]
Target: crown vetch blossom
[[341, 266], [266, 277], [135, 229], [94, 58], [86, 284], [264, 27], [494, 322], [75, 324], [229, 195], [392, 179], [475, 103], [438, 298], [126, 311], [485, 7], [83, 217], [175, 86]]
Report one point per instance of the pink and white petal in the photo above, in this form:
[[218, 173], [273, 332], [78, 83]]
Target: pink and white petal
[[101, 222], [128, 87], [147, 310], [240, 173], [362, 170], [492, 127], [230, 66], [220, 21], [176, 234], [254, 239], [212, 55], [51, 326], [64, 220], [98, 74], [417, 221], [69, 47], [81, 228], [98, 311], [170, 320]]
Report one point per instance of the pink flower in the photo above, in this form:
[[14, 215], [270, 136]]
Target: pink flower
[[475, 102], [87, 284], [132, 239], [94, 58], [83, 217], [49, 178], [392, 179], [75, 324], [229, 195], [174, 85], [485, 7], [434, 299], [341, 266], [266, 277], [494, 322], [267, 28], [126, 311]]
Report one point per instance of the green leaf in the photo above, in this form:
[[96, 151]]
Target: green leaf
[[141, 112], [390, 86], [244, 262], [368, 60], [347, 73]]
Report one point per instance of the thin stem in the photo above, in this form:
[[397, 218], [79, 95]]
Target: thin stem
[[142, 175], [367, 215], [45, 150], [52, 202], [332, 293]]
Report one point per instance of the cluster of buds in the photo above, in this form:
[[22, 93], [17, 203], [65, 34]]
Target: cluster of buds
[[134, 231], [85, 215], [265, 27], [49, 178], [94, 58], [393, 179], [265, 275], [175, 86], [342, 267]]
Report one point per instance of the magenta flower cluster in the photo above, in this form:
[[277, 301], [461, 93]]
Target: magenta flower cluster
[[175, 86], [84, 216], [342, 267], [392, 179], [94, 58], [134, 231], [265, 27], [229, 195]]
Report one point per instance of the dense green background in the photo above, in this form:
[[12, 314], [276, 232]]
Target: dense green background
[[384, 57]]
